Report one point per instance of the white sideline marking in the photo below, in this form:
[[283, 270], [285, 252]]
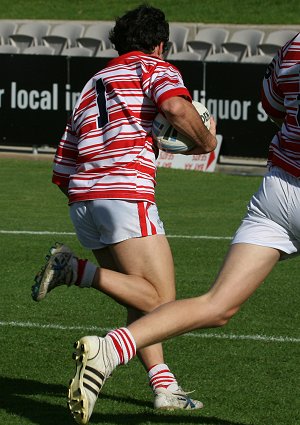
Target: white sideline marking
[[33, 232], [258, 338], [199, 237]]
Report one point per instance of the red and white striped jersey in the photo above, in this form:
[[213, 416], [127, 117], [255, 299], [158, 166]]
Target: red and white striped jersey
[[107, 149], [281, 99]]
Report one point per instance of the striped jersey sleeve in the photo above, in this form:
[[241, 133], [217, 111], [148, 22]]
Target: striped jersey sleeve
[[107, 149], [281, 100]]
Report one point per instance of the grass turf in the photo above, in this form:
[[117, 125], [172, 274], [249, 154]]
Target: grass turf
[[219, 11], [241, 381]]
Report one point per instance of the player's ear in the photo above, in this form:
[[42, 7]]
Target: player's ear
[[160, 49]]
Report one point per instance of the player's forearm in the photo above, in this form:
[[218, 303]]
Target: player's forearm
[[185, 118]]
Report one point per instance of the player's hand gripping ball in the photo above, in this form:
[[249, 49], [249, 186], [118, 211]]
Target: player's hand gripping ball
[[168, 139]]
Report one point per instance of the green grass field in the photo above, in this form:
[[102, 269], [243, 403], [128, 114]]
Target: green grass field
[[246, 373], [217, 11]]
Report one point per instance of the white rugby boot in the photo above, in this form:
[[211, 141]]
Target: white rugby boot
[[60, 269], [95, 360], [173, 400]]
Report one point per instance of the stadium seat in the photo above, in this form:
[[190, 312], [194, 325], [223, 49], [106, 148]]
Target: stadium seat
[[8, 48], [107, 53], [178, 38], [185, 56], [29, 34], [96, 37], [39, 50], [258, 59], [208, 41], [243, 43], [63, 35], [274, 41], [76, 51], [6, 29], [221, 57]]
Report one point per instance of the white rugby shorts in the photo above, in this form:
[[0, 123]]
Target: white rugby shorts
[[103, 222], [273, 217]]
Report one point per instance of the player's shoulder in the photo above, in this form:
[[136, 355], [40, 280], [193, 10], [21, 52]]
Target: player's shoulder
[[161, 65]]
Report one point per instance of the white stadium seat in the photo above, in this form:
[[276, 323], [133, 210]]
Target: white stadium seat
[[185, 56], [76, 51], [221, 57], [96, 37], [258, 59], [39, 50], [274, 41], [8, 48], [243, 42], [6, 29], [63, 35], [107, 53], [29, 34], [208, 41], [178, 38]]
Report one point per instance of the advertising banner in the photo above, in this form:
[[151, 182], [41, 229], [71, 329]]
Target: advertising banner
[[206, 162], [232, 95], [37, 94], [32, 99]]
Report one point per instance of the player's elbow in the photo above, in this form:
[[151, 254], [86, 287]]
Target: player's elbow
[[174, 107], [212, 145], [209, 144], [157, 301]]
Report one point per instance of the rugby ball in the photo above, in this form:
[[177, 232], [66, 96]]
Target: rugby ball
[[168, 139]]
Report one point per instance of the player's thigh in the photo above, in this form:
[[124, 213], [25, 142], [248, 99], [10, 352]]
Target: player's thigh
[[244, 269], [149, 257]]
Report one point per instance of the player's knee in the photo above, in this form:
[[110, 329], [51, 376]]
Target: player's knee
[[152, 303], [167, 298], [160, 299], [223, 317]]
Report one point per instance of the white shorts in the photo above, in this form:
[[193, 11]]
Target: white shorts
[[103, 222], [273, 217]]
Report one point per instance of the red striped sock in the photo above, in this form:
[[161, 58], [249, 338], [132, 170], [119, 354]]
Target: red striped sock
[[85, 273], [80, 269], [160, 376], [124, 344]]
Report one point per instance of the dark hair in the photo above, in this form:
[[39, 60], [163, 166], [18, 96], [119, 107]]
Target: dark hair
[[142, 29]]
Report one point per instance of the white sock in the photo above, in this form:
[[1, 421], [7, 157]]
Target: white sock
[[123, 343], [85, 273], [160, 376]]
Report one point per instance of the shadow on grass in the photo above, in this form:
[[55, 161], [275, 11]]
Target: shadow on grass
[[25, 398], [28, 400]]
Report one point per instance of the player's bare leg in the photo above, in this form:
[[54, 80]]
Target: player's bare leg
[[149, 355], [165, 397], [149, 258], [245, 268], [147, 273], [136, 258], [146, 280]]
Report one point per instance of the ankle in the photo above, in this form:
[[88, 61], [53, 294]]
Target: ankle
[[160, 376], [123, 344], [85, 272]]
